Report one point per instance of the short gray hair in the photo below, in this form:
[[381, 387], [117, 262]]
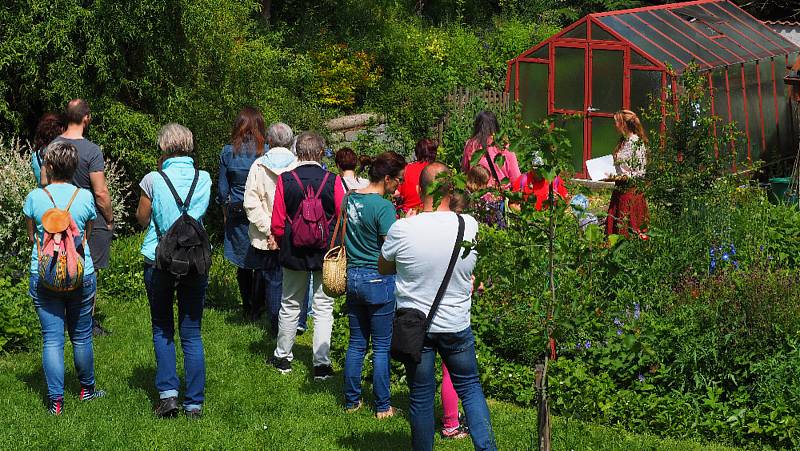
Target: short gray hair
[[175, 139], [280, 135], [61, 160], [309, 146]]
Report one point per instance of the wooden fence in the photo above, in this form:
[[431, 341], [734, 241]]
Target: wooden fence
[[459, 98]]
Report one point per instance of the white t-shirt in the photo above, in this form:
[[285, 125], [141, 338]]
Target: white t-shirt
[[352, 183], [421, 247]]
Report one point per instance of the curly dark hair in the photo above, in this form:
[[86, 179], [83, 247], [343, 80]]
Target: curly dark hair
[[50, 126]]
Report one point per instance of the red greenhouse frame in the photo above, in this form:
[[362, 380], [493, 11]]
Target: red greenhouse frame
[[621, 59]]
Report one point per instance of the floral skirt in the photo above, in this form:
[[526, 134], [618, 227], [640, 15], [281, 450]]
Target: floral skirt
[[627, 212]]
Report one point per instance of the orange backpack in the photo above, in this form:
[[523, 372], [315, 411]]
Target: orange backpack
[[60, 262]]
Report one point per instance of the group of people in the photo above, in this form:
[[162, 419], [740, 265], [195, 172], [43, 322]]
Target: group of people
[[280, 206]]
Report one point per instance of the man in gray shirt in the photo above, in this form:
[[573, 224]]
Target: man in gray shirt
[[89, 175]]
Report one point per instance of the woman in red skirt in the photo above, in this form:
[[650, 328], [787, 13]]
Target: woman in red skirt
[[627, 211]]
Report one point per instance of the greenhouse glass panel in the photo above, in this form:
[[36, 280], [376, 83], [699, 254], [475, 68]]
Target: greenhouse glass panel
[[735, 19], [579, 32], [533, 84], [604, 136], [721, 24], [639, 60], [768, 95], [646, 29], [646, 88], [543, 53], [785, 126], [598, 34], [665, 22], [753, 111], [720, 98], [574, 128], [626, 32], [608, 70], [569, 75], [737, 109]]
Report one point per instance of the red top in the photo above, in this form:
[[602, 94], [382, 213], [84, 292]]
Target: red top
[[537, 186], [408, 189]]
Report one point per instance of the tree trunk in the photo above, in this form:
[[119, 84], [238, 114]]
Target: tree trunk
[[265, 10], [543, 411]]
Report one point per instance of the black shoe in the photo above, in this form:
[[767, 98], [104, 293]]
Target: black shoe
[[195, 414], [55, 406], [282, 365], [98, 330], [322, 372], [89, 393], [167, 407]]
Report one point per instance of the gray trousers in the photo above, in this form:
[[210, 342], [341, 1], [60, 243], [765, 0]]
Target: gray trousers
[[295, 287]]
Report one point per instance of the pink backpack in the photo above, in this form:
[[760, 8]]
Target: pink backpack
[[310, 226]]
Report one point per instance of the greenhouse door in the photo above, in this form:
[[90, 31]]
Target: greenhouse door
[[608, 90], [589, 80]]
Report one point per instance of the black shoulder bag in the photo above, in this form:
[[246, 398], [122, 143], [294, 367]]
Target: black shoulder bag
[[411, 325]]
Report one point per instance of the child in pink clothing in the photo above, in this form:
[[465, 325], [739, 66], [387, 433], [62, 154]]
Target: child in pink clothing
[[451, 425]]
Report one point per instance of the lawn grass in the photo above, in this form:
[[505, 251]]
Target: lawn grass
[[248, 406]]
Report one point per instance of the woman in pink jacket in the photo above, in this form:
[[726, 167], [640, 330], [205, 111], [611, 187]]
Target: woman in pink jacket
[[484, 129]]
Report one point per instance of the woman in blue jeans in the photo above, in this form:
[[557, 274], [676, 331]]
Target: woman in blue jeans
[[248, 143], [157, 207], [370, 296], [71, 307]]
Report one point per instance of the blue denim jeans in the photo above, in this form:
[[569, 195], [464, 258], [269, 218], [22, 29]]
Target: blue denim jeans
[[370, 304], [306, 309], [458, 353], [191, 293], [54, 310]]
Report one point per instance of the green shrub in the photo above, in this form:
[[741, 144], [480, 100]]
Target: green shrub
[[18, 323]]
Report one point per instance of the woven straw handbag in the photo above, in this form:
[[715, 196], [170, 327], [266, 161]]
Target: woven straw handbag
[[334, 264]]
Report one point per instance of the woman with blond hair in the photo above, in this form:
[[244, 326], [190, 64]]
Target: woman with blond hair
[[627, 211]]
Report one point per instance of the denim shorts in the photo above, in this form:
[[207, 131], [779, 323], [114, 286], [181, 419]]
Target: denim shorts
[[367, 286]]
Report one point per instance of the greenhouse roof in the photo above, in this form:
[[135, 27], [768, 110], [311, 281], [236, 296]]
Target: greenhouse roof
[[712, 33]]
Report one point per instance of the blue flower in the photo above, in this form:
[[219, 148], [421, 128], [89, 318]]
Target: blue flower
[[736, 264], [733, 249], [578, 345], [640, 377], [726, 257], [619, 331], [711, 251], [588, 344], [618, 323], [636, 310], [328, 152], [324, 166]]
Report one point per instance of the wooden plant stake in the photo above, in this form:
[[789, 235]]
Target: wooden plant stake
[[543, 413]]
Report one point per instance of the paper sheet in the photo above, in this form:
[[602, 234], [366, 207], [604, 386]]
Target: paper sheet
[[601, 168]]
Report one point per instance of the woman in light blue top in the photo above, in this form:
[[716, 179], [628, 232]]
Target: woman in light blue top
[[70, 308], [50, 127], [157, 206]]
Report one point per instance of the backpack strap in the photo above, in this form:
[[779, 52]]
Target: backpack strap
[[182, 205], [303, 188], [51, 197], [74, 195], [490, 162], [322, 185]]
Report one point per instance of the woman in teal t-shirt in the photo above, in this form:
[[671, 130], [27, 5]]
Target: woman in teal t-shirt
[[72, 309], [370, 296]]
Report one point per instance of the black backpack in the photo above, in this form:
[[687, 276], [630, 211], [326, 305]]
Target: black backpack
[[184, 248]]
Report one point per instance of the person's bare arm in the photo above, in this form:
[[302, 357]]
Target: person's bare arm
[[144, 210], [386, 267], [87, 232], [102, 197], [31, 229]]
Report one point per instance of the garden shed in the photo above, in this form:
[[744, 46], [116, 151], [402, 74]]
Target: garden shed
[[619, 59]]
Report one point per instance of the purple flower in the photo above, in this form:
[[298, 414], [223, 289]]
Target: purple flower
[[579, 345], [636, 310], [733, 249], [736, 264], [588, 344], [640, 377], [726, 257], [618, 323], [619, 331]]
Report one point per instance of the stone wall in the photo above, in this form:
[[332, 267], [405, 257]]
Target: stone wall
[[345, 130]]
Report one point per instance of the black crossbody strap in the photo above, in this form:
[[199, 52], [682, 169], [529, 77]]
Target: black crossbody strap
[[491, 167], [183, 205], [447, 275]]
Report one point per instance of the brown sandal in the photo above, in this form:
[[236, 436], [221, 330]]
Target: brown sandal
[[387, 413]]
